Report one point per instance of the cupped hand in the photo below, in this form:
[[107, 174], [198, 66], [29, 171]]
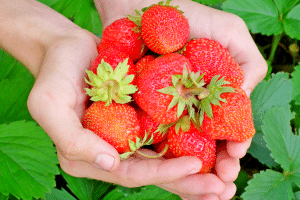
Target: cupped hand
[[232, 33], [57, 102]]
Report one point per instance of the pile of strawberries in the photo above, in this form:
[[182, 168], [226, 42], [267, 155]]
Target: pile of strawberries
[[150, 85]]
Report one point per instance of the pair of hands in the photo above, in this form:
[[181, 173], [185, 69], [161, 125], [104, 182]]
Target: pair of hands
[[57, 102]]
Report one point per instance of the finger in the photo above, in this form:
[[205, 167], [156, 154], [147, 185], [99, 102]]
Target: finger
[[227, 168], [196, 185], [73, 141], [135, 172], [238, 149], [156, 171], [229, 192]]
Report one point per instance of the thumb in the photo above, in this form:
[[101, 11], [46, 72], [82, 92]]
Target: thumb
[[84, 145], [64, 127]]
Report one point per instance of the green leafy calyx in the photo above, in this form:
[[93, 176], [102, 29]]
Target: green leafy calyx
[[185, 89], [110, 85], [216, 88], [161, 3], [134, 146]]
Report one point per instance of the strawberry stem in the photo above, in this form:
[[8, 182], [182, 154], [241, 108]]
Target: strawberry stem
[[162, 153]]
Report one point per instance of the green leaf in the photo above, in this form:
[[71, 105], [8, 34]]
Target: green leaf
[[3, 197], [285, 5], [268, 185], [260, 16], [144, 193], [28, 160], [292, 23], [296, 84], [57, 194], [15, 84], [280, 139], [85, 188], [266, 95], [283, 144], [81, 12]]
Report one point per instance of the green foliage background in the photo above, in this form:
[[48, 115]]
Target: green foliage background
[[270, 170]]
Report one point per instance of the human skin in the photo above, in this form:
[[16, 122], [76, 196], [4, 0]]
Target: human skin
[[57, 52]]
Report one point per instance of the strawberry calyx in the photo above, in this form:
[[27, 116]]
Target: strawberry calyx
[[110, 84], [134, 146], [137, 19], [216, 87], [161, 3], [185, 89]]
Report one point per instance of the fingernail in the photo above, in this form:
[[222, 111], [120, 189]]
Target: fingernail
[[104, 162], [248, 93]]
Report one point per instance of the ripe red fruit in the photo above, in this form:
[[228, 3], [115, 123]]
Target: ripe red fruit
[[148, 125], [123, 35], [143, 62], [116, 124], [232, 120], [113, 57], [164, 28], [193, 143], [156, 76], [211, 58]]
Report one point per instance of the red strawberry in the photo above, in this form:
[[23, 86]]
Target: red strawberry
[[161, 88], [209, 57], [143, 62], [150, 127], [193, 143], [164, 28], [112, 77], [232, 119], [114, 57], [116, 124], [123, 35]]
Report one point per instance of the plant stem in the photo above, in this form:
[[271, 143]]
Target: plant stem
[[275, 44]]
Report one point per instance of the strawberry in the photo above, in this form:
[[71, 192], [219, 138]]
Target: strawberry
[[211, 58], [150, 127], [117, 124], [114, 57], [163, 85], [143, 62], [111, 77], [231, 119], [193, 142], [164, 28], [123, 35]]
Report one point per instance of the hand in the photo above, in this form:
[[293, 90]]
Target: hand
[[57, 102], [232, 33]]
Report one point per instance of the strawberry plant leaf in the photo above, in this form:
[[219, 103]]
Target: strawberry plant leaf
[[81, 12], [59, 195], [280, 139], [284, 145], [268, 185], [3, 197], [292, 23], [28, 160], [143, 193], [260, 16], [285, 5], [266, 95], [85, 188], [296, 84], [15, 84], [209, 2]]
